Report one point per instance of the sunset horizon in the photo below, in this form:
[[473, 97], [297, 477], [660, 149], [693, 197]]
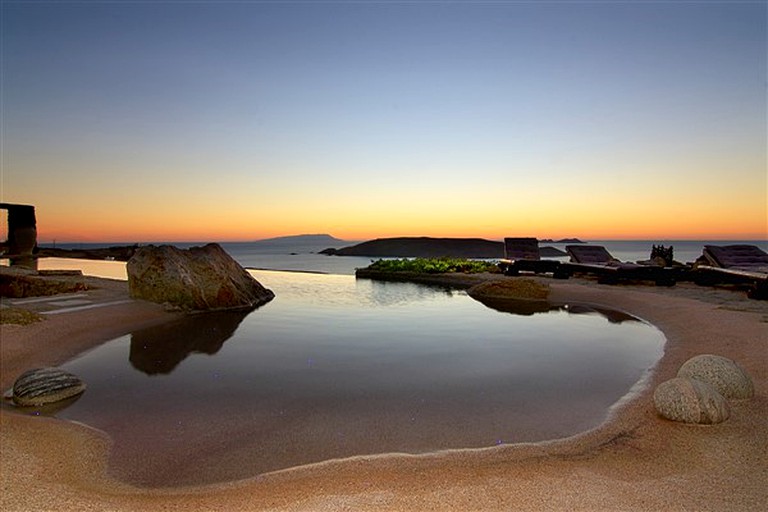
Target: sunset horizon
[[244, 121], [383, 255], [127, 240], [57, 232]]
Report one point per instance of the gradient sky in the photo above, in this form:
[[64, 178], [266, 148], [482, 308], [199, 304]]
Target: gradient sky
[[149, 121]]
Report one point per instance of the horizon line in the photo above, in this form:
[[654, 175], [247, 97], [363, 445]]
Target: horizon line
[[501, 239]]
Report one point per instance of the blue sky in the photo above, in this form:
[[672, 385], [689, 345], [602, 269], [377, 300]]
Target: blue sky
[[386, 118]]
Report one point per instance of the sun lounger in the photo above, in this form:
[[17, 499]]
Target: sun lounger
[[735, 264], [596, 260], [522, 254]]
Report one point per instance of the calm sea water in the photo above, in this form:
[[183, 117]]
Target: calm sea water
[[335, 367], [303, 257]]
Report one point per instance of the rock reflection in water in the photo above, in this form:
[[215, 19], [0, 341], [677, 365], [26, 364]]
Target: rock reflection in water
[[50, 409], [160, 349], [531, 307], [612, 315], [385, 293]]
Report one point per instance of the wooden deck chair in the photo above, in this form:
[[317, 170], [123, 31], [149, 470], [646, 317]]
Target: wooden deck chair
[[596, 260], [735, 264], [522, 254]]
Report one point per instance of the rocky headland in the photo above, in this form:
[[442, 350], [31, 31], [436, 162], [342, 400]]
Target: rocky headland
[[428, 247]]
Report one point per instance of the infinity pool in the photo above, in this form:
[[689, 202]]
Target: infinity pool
[[335, 367]]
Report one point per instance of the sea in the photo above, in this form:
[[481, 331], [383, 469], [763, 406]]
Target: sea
[[301, 256]]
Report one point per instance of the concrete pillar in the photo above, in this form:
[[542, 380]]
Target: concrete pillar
[[22, 229]]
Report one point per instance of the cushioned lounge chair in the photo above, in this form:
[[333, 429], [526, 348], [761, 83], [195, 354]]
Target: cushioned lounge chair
[[596, 260], [522, 254], [736, 264]]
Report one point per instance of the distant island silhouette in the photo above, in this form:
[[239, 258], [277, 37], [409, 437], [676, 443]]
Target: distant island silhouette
[[562, 241], [304, 239]]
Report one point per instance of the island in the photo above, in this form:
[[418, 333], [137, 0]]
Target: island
[[428, 247]]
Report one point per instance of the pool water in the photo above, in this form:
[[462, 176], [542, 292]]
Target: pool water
[[335, 367]]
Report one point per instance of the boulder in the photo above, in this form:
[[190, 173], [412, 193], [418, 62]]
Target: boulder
[[690, 401], [199, 278], [723, 374], [518, 288], [42, 386]]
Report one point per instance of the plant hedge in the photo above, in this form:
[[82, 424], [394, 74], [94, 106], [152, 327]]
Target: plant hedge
[[433, 265]]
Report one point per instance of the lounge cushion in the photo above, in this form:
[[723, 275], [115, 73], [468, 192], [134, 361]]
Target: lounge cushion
[[739, 257], [589, 254], [521, 249]]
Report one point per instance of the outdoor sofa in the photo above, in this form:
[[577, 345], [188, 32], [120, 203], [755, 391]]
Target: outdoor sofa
[[596, 260], [734, 264], [523, 255]]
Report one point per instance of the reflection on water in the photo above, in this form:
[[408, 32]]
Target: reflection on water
[[335, 367], [531, 307], [50, 409], [161, 348], [384, 293], [96, 268], [613, 316], [521, 307]]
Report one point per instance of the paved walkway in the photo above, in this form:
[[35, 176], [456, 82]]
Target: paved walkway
[[63, 303], [100, 294]]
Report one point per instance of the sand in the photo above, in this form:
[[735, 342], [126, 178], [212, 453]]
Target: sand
[[634, 461]]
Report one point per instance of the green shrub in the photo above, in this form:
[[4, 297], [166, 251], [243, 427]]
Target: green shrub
[[433, 265]]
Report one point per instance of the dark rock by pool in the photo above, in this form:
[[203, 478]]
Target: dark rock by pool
[[198, 278]]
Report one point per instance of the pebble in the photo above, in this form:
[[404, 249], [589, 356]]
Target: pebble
[[727, 377], [690, 401], [42, 386]]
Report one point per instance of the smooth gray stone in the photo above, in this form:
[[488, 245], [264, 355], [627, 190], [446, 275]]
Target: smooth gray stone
[[42, 386], [690, 401], [725, 375]]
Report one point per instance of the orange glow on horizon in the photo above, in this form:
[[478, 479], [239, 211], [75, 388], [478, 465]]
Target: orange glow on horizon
[[472, 211], [242, 232]]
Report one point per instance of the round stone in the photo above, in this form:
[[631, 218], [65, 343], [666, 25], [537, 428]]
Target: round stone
[[727, 377], [690, 401], [43, 386]]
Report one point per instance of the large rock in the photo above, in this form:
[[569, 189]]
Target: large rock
[[199, 278], [43, 386], [723, 374], [518, 288], [690, 401]]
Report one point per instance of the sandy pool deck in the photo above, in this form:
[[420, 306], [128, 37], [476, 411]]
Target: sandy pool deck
[[634, 461]]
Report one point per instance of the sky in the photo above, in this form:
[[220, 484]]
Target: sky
[[143, 121]]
